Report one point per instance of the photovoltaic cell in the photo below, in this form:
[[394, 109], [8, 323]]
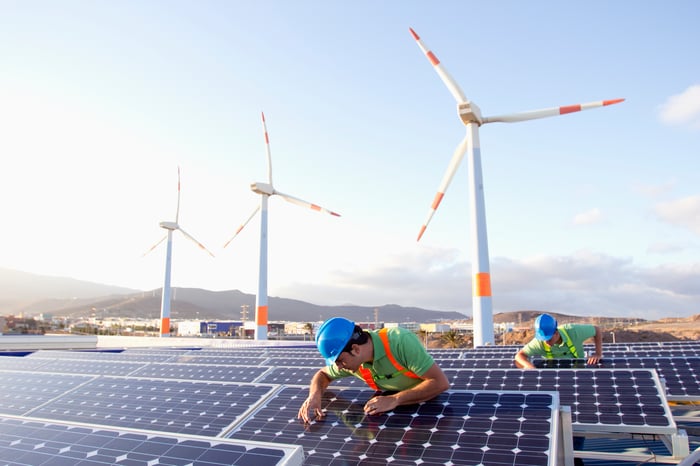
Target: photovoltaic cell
[[457, 427], [34, 443], [198, 408]]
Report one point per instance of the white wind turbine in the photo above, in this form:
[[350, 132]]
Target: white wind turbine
[[171, 227], [266, 190], [470, 114]]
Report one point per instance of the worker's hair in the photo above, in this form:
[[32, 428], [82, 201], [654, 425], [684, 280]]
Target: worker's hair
[[358, 337]]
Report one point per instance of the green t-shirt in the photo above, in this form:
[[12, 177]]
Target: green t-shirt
[[578, 333], [406, 349]]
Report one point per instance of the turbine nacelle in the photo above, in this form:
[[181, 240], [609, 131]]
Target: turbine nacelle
[[469, 112], [262, 188], [172, 226]]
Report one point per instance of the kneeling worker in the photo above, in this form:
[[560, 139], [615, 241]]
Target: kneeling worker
[[387, 359], [560, 341]]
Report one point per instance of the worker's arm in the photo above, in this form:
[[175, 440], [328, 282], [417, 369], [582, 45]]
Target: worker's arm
[[434, 382], [311, 408], [598, 339], [522, 361]]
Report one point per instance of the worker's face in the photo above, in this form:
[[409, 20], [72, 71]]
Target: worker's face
[[347, 360], [555, 338]]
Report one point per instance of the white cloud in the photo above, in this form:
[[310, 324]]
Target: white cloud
[[682, 109], [583, 284], [655, 191], [684, 212], [661, 247], [590, 217]]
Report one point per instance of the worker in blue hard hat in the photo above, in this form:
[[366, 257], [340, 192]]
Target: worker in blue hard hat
[[390, 359], [553, 341]]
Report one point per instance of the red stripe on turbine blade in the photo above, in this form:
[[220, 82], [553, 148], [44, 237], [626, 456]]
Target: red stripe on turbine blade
[[413, 33], [315, 207], [612, 102], [267, 139], [569, 109], [437, 200], [420, 233], [263, 116], [239, 229], [335, 215], [433, 59]]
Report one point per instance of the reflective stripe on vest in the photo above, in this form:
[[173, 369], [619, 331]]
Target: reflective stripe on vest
[[367, 375], [567, 340]]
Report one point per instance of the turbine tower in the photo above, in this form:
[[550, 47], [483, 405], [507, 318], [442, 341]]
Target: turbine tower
[[171, 227], [266, 190], [470, 114]]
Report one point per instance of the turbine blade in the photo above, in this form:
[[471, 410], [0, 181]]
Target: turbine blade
[[302, 203], [451, 84], [243, 225], [267, 149], [548, 112], [188, 236], [446, 180], [155, 245]]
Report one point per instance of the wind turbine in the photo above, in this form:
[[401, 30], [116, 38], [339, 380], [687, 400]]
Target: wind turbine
[[171, 227], [470, 114], [266, 190]]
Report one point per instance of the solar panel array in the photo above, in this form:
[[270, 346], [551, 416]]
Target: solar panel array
[[209, 402]]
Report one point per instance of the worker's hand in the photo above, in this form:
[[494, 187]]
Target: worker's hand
[[311, 410], [380, 404], [595, 359]]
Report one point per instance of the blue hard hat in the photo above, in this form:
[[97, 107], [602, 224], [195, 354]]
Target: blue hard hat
[[332, 337], [545, 326]]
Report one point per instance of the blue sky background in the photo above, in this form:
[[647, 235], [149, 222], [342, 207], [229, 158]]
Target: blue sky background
[[595, 213]]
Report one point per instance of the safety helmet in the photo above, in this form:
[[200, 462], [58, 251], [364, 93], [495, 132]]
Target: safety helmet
[[332, 337], [545, 326]]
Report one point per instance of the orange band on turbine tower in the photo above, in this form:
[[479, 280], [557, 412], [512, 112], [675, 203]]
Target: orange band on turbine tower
[[261, 315], [165, 325], [482, 284]]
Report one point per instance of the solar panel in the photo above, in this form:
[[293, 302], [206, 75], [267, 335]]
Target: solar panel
[[681, 376], [21, 364], [201, 372], [619, 400], [229, 360], [95, 367], [22, 391], [316, 361], [33, 443], [302, 376], [200, 408], [457, 427], [473, 363], [136, 356]]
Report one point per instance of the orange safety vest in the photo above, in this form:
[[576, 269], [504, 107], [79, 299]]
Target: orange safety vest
[[369, 377]]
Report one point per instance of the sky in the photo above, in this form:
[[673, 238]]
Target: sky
[[592, 213]]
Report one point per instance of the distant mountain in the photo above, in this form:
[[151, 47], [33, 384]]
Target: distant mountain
[[30, 294]]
